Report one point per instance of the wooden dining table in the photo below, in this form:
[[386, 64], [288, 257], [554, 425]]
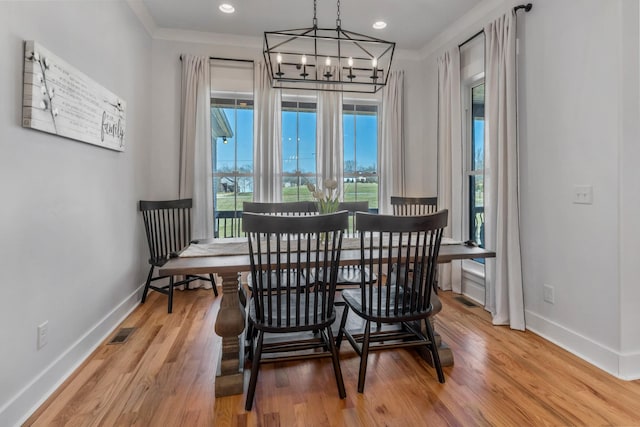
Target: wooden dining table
[[228, 257]]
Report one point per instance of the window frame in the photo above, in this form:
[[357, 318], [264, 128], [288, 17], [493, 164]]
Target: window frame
[[469, 170], [302, 178], [234, 101], [367, 108]]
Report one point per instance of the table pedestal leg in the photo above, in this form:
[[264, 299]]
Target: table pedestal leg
[[445, 353], [230, 326]]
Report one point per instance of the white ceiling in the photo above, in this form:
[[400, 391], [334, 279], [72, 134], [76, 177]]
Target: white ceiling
[[410, 23]]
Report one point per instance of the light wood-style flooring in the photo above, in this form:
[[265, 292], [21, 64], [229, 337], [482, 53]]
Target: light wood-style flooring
[[164, 376]]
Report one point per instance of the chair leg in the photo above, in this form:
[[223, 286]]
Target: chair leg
[[170, 294], [364, 356], [255, 367], [336, 364], [435, 356], [343, 323], [213, 285], [242, 295], [250, 335], [146, 286]]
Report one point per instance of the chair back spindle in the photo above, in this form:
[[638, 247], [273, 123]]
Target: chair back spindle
[[412, 206]]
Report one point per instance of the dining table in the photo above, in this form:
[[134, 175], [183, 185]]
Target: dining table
[[229, 257]]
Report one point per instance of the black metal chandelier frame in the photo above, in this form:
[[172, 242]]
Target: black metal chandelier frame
[[294, 58]]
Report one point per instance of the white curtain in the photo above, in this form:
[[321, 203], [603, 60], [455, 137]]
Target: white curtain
[[267, 140], [504, 294], [329, 147], [450, 160], [391, 153], [195, 144]]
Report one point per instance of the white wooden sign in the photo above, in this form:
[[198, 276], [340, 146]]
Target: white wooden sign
[[61, 100]]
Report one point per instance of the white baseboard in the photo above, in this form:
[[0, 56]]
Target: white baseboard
[[28, 400], [630, 366], [623, 366]]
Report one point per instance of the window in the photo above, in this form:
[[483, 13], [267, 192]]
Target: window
[[360, 136], [298, 149], [475, 161], [232, 159]]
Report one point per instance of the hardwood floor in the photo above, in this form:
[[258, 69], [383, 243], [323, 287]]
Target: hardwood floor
[[163, 376]]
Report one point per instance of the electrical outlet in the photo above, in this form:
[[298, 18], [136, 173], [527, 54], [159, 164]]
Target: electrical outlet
[[43, 334], [549, 294], [583, 194]]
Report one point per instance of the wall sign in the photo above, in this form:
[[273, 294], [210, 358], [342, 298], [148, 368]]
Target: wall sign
[[61, 100]]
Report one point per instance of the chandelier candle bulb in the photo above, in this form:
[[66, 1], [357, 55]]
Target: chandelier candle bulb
[[303, 60], [328, 74], [279, 61]]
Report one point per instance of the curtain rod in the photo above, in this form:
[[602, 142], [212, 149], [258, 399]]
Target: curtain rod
[[227, 59], [527, 7]]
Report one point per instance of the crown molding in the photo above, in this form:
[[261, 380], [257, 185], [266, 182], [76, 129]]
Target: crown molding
[[173, 34], [141, 11], [464, 27]]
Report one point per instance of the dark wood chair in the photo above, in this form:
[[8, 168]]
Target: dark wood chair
[[228, 224], [297, 208], [352, 208], [283, 251], [167, 224], [409, 206], [281, 208], [349, 276], [398, 302]]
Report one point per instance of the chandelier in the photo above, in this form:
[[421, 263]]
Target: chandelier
[[327, 59]]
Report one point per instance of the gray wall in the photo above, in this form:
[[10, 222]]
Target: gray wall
[[72, 250], [578, 99]]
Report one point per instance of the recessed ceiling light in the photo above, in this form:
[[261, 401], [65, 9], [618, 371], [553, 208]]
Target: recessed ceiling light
[[227, 8], [379, 25]]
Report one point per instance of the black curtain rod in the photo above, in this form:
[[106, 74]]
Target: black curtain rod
[[527, 7], [471, 38], [227, 59]]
